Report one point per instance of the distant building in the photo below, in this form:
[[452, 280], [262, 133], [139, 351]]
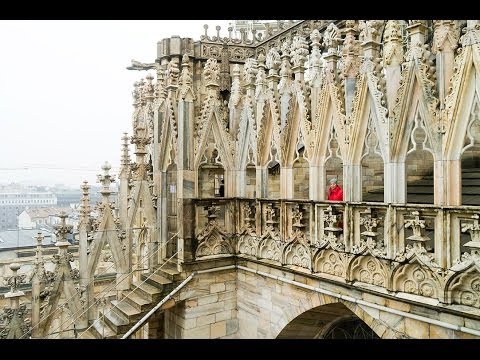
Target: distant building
[[13, 203], [35, 218]]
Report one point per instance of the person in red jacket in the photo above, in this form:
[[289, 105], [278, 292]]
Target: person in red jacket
[[335, 192]]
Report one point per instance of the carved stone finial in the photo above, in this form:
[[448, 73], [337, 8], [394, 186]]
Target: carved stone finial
[[299, 51], [125, 159], [250, 70], [350, 53], [186, 78], [418, 227], [273, 61], [445, 35], [84, 207], [136, 94], [149, 89], [236, 92], [392, 44], [370, 30], [211, 71], [62, 229], [172, 74], [331, 37], [105, 179], [471, 33], [14, 283]]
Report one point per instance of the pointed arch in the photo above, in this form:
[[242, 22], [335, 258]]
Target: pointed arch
[[269, 132], [328, 115], [107, 233], [221, 140], [167, 147], [63, 286], [413, 103], [459, 103], [142, 222]]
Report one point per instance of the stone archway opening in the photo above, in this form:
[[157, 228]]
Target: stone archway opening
[[332, 321]]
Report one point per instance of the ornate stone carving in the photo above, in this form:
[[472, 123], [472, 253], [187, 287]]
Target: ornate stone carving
[[315, 59], [270, 228], [285, 70], [369, 270], [331, 37], [211, 72], [298, 228], [260, 84], [370, 30], [392, 44], [172, 74], [273, 61], [186, 78], [331, 262], [445, 36], [418, 227], [471, 35], [466, 289], [299, 51], [212, 240], [350, 54], [331, 236], [368, 241], [269, 249], [236, 91], [416, 279], [297, 254], [250, 70]]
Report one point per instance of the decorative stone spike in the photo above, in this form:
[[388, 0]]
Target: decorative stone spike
[[105, 180], [62, 229]]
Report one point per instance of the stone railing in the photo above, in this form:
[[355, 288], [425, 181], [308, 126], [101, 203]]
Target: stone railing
[[422, 250]]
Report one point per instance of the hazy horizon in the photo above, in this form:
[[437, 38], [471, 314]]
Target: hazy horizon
[[65, 93]]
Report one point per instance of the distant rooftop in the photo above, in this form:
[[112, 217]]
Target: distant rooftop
[[23, 238]]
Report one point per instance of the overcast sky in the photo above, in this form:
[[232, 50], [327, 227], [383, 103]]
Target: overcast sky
[[65, 93]]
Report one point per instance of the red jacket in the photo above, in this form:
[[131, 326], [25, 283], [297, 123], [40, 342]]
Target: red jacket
[[335, 194]]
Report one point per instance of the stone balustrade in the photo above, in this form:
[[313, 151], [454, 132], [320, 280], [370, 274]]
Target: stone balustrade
[[424, 251]]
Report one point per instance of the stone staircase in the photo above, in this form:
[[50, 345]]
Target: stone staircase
[[123, 314]]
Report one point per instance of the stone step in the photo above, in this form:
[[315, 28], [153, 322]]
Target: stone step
[[147, 291], [116, 322], [125, 310], [102, 330], [169, 271], [87, 334], [137, 301], [157, 281]]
